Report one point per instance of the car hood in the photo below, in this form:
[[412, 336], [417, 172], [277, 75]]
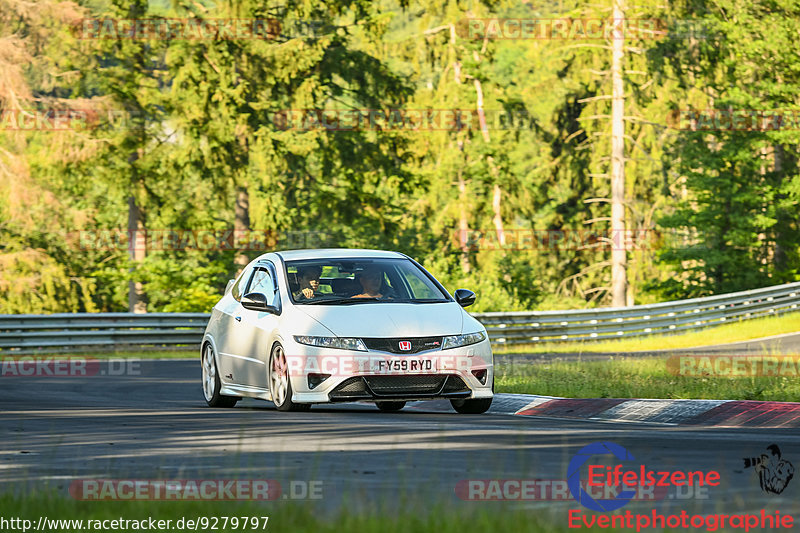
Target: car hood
[[389, 319]]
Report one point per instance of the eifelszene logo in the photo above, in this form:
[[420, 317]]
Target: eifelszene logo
[[615, 477], [774, 472]]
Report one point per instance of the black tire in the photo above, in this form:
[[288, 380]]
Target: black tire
[[280, 384], [472, 407], [211, 382], [390, 407]]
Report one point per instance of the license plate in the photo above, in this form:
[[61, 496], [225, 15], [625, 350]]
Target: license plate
[[392, 366]]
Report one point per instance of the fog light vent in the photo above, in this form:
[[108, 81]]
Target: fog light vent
[[315, 379], [480, 374]]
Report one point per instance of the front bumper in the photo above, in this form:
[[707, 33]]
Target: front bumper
[[352, 375]]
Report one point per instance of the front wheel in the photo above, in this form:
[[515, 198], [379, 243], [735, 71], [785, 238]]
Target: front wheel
[[211, 382], [390, 407], [280, 386], [472, 407]]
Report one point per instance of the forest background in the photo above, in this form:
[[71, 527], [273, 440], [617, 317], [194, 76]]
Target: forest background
[[139, 170]]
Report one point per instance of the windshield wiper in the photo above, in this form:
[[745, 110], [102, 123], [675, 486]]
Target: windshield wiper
[[343, 301]]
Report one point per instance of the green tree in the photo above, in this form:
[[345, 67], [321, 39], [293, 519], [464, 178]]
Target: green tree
[[735, 218], [226, 95]]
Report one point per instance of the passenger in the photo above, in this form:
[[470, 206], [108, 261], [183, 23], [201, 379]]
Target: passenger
[[308, 279], [371, 279]]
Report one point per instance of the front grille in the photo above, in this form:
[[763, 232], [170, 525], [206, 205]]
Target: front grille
[[399, 385], [407, 386], [392, 345]]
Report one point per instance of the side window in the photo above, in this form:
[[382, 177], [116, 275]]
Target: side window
[[419, 289], [264, 283], [236, 290]]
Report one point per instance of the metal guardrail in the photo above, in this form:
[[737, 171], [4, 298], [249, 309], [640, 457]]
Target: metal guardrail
[[65, 332], [81, 331], [622, 322]]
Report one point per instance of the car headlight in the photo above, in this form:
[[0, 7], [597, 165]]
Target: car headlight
[[343, 343], [455, 341]]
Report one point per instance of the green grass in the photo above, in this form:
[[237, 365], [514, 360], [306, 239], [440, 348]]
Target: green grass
[[630, 377], [293, 517], [730, 332]]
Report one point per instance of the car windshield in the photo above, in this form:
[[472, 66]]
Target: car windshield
[[356, 281]]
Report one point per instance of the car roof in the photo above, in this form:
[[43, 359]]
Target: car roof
[[339, 253]]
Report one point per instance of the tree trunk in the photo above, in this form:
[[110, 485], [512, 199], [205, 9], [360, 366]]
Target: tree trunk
[[497, 194], [463, 225], [780, 255], [137, 249], [619, 281], [241, 224], [498, 219]]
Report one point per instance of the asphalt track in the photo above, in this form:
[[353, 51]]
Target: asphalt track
[[152, 423]]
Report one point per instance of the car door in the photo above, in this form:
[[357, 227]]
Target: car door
[[255, 329], [228, 331]]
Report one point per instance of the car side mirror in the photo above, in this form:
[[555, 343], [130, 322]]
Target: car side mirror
[[464, 297], [229, 286], [255, 301]]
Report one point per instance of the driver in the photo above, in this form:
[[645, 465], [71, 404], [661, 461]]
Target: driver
[[308, 279]]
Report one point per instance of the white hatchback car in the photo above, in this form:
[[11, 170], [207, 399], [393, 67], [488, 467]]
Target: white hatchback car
[[339, 325]]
